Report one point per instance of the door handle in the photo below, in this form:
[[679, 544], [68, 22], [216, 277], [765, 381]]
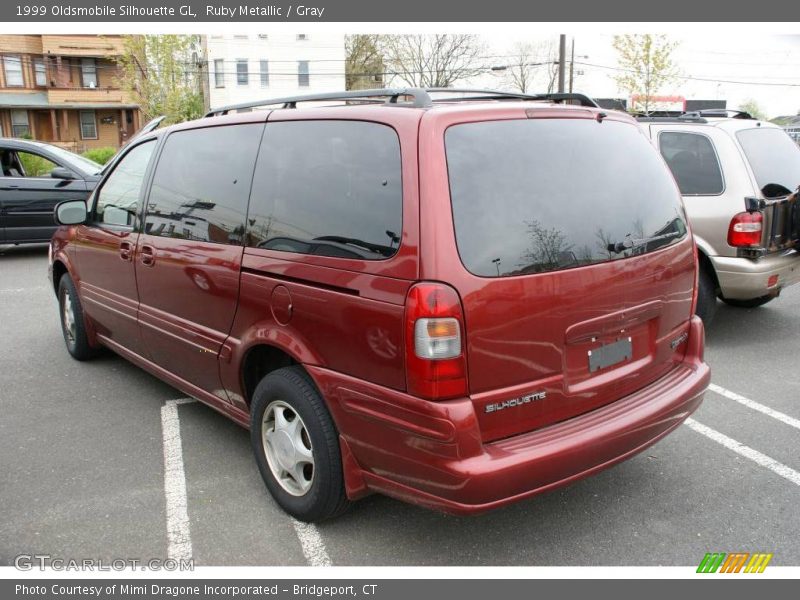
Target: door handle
[[125, 251], [147, 255]]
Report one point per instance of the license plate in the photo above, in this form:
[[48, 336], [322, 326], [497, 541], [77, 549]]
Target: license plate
[[610, 354]]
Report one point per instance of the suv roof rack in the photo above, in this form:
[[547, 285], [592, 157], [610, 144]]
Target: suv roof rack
[[420, 98], [722, 112]]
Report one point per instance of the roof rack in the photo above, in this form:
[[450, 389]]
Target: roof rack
[[722, 112], [684, 118], [420, 98]]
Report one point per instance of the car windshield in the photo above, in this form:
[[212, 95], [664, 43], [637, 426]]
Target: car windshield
[[773, 156], [76, 161], [538, 195]]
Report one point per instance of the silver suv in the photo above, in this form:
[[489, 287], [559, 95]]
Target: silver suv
[[739, 179]]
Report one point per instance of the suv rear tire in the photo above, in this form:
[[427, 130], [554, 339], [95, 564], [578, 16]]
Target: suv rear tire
[[751, 303], [296, 446], [72, 323], [706, 296]]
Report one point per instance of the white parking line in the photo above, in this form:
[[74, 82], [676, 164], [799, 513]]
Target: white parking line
[[784, 418], [312, 544], [746, 451], [179, 540]]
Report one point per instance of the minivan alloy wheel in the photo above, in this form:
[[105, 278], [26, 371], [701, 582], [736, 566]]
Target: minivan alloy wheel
[[68, 314], [287, 447]]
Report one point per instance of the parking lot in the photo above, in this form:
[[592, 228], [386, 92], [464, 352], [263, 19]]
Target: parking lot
[[82, 449]]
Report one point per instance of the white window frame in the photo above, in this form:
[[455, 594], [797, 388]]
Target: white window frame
[[246, 74], [39, 69], [300, 74], [263, 67], [81, 113], [88, 67], [16, 60], [219, 73], [18, 123]]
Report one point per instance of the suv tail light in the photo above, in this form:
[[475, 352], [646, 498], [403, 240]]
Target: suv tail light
[[745, 230], [436, 366]]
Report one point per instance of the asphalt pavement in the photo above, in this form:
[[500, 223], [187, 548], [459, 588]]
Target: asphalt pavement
[[82, 470]]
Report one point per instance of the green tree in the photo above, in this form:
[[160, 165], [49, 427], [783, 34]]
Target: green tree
[[364, 62], [646, 66], [754, 108], [161, 73]]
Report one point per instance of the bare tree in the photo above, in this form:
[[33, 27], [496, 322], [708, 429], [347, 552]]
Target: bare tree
[[646, 65], [364, 62], [534, 65], [437, 60]]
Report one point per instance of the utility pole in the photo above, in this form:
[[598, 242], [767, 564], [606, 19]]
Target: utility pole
[[571, 65], [562, 59]]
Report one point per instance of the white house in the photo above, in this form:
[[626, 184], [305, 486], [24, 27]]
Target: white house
[[244, 67]]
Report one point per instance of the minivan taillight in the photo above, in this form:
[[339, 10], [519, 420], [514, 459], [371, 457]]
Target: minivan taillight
[[745, 230], [436, 366]]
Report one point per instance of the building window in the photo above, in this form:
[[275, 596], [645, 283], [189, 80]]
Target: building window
[[302, 73], [19, 123], [89, 73], [302, 37], [241, 72], [264, 73], [40, 71], [88, 125], [219, 73], [13, 68]]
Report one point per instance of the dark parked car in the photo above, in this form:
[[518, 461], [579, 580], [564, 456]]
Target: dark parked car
[[36, 177], [456, 300]]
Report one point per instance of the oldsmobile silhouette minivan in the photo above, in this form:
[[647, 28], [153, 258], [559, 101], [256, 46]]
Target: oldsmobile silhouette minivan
[[456, 298]]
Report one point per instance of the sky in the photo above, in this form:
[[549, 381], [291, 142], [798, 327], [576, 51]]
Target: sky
[[731, 66]]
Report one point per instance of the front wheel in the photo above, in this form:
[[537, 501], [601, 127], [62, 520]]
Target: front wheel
[[73, 326], [751, 303], [296, 446]]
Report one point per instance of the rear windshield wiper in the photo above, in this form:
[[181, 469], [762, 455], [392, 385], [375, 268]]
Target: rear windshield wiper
[[631, 243]]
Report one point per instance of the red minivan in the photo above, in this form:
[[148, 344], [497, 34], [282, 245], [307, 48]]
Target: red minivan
[[458, 299]]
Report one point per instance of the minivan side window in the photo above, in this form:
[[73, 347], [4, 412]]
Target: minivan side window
[[202, 182], [329, 188], [693, 162], [117, 201]]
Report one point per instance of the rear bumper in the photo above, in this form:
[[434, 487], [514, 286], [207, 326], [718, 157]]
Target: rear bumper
[[745, 278], [431, 454]]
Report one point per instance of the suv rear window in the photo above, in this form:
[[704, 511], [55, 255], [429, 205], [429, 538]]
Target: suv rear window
[[773, 156], [538, 195]]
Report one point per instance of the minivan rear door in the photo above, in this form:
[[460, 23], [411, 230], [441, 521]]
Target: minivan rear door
[[578, 266]]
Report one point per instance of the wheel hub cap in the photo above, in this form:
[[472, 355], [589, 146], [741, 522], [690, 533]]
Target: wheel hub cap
[[287, 447]]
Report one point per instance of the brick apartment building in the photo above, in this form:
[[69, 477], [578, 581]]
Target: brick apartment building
[[62, 89]]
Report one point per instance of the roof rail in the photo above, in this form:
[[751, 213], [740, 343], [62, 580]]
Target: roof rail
[[483, 94], [722, 112], [420, 98], [684, 118]]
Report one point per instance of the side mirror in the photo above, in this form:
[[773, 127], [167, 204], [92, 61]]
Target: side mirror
[[71, 212], [62, 173]]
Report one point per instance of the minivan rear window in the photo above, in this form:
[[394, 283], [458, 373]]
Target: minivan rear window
[[773, 156], [538, 195]]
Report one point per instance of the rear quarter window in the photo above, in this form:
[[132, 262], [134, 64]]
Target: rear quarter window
[[693, 161], [538, 195], [328, 188]]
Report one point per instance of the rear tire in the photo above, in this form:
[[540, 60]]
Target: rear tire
[[296, 446], [751, 303], [706, 296], [73, 326]]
